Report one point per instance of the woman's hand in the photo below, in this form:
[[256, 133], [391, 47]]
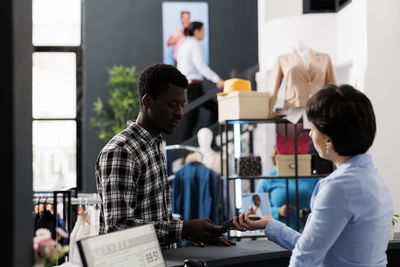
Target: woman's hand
[[245, 223], [220, 83], [236, 224]]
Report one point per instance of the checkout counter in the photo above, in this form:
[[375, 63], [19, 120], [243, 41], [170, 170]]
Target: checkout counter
[[252, 253]]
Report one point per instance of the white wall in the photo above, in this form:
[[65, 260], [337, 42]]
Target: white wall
[[280, 36], [383, 88], [363, 40], [273, 9], [352, 43]]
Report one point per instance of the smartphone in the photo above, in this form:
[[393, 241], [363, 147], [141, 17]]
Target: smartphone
[[226, 225]]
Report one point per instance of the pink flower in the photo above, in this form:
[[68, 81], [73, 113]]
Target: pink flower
[[48, 248]]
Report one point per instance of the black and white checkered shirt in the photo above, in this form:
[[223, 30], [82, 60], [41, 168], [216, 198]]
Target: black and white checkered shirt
[[131, 177]]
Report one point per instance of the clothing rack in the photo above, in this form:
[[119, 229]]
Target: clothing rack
[[65, 197], [54, 198], [82, 198]]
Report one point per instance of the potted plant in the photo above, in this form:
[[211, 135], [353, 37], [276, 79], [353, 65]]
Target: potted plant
[[122, 104], [395, 220]]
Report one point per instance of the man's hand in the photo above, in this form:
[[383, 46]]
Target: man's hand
[[220, 84], [283, 211], [204, 232]]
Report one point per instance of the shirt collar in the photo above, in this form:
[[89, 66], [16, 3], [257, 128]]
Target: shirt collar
[[144, 134], [356, 161]]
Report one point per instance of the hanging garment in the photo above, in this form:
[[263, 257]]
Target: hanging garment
[[83, 228], [301, 82], [63, 241], [47, 221], [196, 192], [94, 215]]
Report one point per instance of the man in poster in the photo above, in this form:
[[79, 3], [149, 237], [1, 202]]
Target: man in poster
[[178, 35]]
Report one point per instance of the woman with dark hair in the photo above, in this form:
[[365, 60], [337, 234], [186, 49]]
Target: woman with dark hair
[[351, 209], [190, 61]]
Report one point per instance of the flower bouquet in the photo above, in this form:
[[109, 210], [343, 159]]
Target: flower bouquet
[[46, 250]]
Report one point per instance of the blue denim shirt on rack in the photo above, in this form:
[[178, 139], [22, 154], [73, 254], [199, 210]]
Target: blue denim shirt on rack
[[196, 192]]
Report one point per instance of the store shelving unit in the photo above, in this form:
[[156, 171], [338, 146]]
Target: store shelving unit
[[224, 128]]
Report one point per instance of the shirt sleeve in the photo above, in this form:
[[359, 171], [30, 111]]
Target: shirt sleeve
[[201, 66], [328, 218], [117, 172], [281, 234], [330, 74]]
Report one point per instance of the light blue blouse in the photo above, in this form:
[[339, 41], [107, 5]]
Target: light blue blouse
[[350, 222]]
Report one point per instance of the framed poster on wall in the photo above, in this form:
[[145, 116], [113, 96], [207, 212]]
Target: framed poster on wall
[[176, 16]]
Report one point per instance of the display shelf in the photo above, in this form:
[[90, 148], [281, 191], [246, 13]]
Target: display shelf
[[255, 121], [226, 126], [233, 177]]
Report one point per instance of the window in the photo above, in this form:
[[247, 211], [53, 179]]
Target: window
[[56, 93]]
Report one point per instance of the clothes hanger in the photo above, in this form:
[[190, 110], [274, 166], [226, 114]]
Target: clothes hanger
[[41, 205], [85, 214]]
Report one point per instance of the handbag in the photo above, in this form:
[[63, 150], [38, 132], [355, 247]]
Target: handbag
[[285, 144], [248, 166]]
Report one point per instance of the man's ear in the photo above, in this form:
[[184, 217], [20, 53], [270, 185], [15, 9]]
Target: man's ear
[[146, 101]]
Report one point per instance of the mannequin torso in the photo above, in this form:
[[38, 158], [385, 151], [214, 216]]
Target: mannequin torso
[[303, 50], [305, 71], [210, 157]]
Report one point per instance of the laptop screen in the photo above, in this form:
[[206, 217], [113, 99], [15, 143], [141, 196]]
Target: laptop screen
[[137, 246]]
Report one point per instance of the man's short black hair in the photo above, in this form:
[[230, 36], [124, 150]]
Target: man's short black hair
[[156, 78], [346, 116]]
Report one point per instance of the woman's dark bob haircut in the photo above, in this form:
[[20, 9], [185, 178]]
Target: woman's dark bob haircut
[[346, 116]]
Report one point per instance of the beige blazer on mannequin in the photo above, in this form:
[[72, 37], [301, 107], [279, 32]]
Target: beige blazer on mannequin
[[301, 82]]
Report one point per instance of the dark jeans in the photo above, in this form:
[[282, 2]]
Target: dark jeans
[[194, 91]]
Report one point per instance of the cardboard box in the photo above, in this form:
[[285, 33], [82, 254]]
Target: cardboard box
[[243, 105], [285, 165]]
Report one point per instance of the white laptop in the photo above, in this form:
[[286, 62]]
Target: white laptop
[[137, 246]]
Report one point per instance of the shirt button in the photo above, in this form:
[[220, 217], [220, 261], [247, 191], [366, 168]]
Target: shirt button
[[309, 83]]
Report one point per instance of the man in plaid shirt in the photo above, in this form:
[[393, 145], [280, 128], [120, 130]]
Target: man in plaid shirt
[[131, 173]]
